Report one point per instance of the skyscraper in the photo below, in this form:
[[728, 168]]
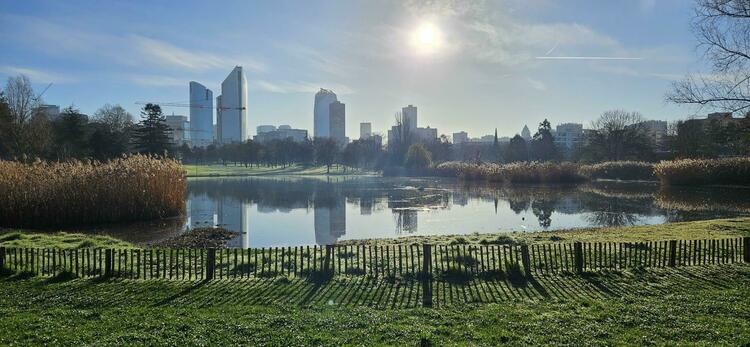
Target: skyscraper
[[365, 131], [231, 108], [409, 117], [201, 115], [337, 121], [321, 113], [525, 133]]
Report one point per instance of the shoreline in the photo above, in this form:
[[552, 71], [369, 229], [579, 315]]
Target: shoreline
[[704, 229]]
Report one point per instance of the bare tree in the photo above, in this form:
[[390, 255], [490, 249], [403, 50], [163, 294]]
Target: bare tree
[[114, 116], [722, 28], [21, 99], [619, 135], [27, 131]]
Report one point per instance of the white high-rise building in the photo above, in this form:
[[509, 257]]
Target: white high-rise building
[[365, 131], [231, 108], [201, 115], [409, 117], [568, 136], [321, 112]]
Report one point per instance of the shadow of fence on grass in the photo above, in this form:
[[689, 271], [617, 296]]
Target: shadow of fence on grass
[[398, 293]]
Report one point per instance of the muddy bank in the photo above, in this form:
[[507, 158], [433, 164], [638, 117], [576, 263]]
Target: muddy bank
[[199, 238]]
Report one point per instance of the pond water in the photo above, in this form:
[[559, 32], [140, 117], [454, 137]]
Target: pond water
[[287, 211]]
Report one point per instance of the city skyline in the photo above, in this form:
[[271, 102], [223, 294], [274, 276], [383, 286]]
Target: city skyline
[[554, 62]]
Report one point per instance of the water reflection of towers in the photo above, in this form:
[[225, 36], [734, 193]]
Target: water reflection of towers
[[330, 217]]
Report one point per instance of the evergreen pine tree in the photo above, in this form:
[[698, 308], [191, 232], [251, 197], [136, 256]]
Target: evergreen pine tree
[[152, 134]]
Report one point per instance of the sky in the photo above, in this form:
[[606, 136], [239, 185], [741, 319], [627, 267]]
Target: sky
[[467, 65]]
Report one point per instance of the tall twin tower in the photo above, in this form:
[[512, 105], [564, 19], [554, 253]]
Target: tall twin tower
[[329, 116], [231, 111]]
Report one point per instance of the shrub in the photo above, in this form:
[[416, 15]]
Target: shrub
[[620, 170], [418, 157], [729, 171], [89, 193]]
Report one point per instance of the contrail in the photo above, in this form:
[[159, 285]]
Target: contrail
[[552, 49], [586, 58]]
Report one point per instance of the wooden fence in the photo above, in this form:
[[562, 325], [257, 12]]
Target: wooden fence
[[394, 261]]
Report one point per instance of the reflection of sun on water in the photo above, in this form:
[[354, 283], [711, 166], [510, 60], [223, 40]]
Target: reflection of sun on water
[[426, 38]]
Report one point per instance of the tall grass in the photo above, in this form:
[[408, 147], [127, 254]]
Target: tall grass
[[728, 171], [620, 170], [533, 172], [89, 193]]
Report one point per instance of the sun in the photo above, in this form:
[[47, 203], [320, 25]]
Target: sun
[[426, 38]]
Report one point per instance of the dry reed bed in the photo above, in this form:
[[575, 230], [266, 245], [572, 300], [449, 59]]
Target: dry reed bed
[[133, 188], [726, 171], [619, 170], [522, 172]]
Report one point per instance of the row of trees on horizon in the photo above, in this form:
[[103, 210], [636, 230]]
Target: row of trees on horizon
[[112, 132]]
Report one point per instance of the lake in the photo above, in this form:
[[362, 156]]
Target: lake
[[288, 211]]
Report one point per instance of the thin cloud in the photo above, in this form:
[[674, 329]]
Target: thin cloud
[[585, 58], [70, 42], [36, 75], [167, 54], [288, 87], [536, 84], [157, 81]]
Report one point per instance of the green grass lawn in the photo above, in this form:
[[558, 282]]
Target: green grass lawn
[[708, 229], [692, 305], [295, 169], [61, 240]]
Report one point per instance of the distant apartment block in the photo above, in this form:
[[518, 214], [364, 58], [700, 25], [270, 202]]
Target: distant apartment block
[[268, 133], [179, 129], [460, 137], [365, 131], [201, 115], [409, 128], [337, 121], [656, 130], [264, 129], [568, 136], [51, 111]]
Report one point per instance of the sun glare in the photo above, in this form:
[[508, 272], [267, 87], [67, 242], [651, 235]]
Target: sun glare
[[426, 38]]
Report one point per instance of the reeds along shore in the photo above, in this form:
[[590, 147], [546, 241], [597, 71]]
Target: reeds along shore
[[82, 193], [727, 171]]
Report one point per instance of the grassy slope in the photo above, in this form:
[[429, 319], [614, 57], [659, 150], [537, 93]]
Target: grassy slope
[[220, 170], [60, 240], [699, 305], [709, 229]]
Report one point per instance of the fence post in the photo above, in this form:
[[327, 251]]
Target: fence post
[[426, 275], [526, 259], [328, 260], [672, 252], [578, 256], [210, 264], [746, 248], [2, 259], [108, 262]]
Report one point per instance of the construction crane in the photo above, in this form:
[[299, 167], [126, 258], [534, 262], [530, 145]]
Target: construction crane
[[42, 93], [177, 104]]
